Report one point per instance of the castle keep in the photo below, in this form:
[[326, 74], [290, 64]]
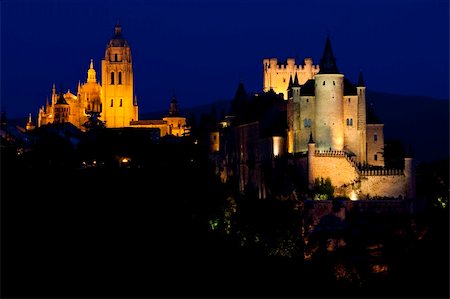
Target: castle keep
[[317, 119]]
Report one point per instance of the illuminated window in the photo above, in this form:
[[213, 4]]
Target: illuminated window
[[375, 157], [112, 77], [120, 104], [375, 137], [120, 78], [112, 103]]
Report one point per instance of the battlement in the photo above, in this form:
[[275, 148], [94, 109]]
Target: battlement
[[382, 171], [274, 64]]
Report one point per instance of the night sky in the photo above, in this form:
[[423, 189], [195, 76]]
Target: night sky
[[200, 50]]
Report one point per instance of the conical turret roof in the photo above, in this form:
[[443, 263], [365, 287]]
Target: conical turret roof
[[328, 61]]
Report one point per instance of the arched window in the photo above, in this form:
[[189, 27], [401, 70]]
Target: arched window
[[120, 78], [112, 103], [112, 77], [375, 137], [120, 104]]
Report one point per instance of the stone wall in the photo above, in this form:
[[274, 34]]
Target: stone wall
[[338, 168], [383, 185]]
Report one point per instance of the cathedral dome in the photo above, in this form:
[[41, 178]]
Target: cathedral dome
[[117, 40]]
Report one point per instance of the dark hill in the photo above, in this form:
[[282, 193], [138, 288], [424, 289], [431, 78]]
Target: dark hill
[[419, 122]]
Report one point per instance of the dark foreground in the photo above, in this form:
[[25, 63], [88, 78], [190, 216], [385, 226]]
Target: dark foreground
[[144, 233]]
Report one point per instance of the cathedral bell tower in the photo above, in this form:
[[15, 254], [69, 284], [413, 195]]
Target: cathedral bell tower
[[118, 107]]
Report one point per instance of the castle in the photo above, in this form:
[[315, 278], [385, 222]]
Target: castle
[[314, 116], [113, 100]]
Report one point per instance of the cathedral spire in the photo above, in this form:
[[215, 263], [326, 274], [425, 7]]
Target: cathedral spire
[[290, 82], [91, 73], [360, 80], [118, 29], [29, 126], [328, 61]]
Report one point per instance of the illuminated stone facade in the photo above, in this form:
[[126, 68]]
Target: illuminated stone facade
[[327, 134], [113, 99]]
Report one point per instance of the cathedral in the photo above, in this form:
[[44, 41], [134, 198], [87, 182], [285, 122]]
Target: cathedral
[[113, 99], [316, 118]]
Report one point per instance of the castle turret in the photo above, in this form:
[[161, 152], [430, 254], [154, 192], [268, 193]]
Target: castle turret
[[410, 176], [311, 153], [329, 114], [361, 90], [117, 83]]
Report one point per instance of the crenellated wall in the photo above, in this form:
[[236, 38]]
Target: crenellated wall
[[276, 76], [383, 185]]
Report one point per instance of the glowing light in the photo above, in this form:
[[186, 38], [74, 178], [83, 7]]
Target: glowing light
[[353, 195], [124, 160], [277, 145]]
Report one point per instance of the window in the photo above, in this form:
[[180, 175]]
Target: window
[[120, 104], [349, 100], [307, 123], [349, 121], [112, 77], [307, 100], [375, 157], [334, 83], [323, 83], [375, 137], [112, 103], [115, 57], [120, 78]]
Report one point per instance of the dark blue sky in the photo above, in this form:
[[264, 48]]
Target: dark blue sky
[[201, 49]]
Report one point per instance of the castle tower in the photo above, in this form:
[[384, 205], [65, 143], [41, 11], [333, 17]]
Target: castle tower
[[361, 90], [295, 113], [118, 107], [410, 176], [329, 112]]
